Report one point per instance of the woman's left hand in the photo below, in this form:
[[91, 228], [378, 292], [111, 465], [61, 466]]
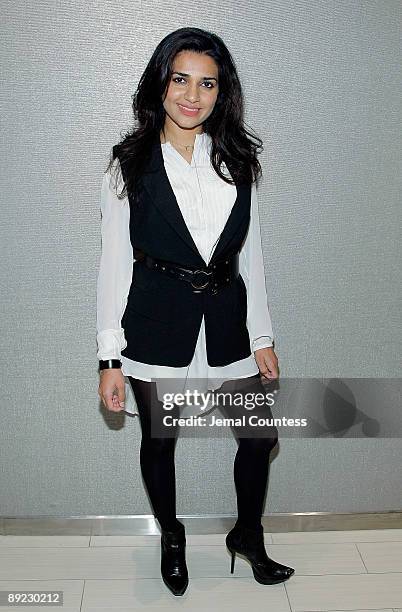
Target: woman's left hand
[[267, 363]]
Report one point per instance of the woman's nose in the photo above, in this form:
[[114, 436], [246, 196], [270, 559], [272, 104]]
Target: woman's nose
[[192, 94]]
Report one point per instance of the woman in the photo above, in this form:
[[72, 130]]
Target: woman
[[181, 288]]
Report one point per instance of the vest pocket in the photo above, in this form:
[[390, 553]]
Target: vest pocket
[[147, 303]]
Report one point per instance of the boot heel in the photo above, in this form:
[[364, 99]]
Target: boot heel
[[233, 561]]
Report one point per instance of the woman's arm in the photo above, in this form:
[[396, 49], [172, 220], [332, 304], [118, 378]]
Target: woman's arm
[[251, 267], [115, 271]]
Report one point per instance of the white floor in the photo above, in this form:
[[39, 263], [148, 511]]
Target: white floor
[[335, 570]]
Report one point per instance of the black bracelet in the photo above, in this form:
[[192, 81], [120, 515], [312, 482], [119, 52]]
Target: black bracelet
[[109, 363]]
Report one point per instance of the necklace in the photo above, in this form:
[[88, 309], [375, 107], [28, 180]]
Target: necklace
[[187, 147]]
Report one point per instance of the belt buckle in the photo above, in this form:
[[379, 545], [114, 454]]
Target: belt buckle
[[199, 287]]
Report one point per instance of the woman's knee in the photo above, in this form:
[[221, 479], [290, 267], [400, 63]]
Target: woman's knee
[[258, 446], [157, 446]]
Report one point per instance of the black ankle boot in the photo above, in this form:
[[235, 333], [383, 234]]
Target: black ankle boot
[[173, 562], [250, 543]]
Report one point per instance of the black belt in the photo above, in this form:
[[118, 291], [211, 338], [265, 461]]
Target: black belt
[[211, 277]]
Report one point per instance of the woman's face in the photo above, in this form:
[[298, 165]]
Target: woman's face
[[192, 90]]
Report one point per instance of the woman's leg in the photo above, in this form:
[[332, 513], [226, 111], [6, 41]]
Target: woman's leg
[[156, 455], [251, 462], [250, 476]]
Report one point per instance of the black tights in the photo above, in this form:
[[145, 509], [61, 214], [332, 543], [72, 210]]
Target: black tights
[[250, 467]]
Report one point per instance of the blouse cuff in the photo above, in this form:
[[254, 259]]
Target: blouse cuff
[[261, 342], [110, 343]]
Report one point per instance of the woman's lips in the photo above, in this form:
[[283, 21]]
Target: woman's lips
[[188, 111]]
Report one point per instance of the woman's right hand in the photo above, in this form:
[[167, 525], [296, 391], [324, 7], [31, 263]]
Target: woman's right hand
[[111, 389]]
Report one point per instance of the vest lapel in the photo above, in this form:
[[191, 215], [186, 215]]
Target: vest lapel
[[156, 182]]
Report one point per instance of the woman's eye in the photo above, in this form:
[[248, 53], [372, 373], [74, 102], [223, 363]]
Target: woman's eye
[[209, 83]]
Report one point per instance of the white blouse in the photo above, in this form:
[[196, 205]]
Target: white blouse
[[205, 201]]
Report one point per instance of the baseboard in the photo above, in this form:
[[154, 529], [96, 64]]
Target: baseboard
[[147, 525]]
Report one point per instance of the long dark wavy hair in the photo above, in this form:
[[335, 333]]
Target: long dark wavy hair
[[231, 142]]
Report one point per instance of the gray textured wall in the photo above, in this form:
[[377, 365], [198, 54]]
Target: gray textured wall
[[320, 81]]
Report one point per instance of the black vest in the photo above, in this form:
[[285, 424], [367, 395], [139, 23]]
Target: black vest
[[163, 315]]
